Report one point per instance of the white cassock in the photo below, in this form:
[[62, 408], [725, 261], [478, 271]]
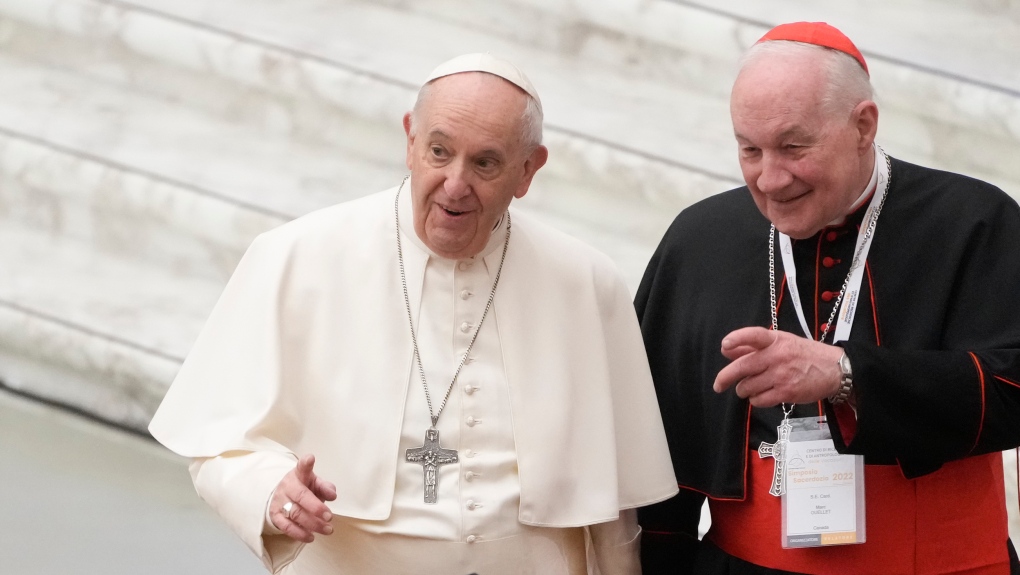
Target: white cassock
[[309, 351]]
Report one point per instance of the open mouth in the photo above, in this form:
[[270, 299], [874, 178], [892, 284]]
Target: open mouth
[[451, 212]]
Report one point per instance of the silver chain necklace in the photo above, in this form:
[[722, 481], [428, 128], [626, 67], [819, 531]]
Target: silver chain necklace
[[431, 455], [778, 449]]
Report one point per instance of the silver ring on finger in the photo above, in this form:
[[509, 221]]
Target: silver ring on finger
[[288, 509]]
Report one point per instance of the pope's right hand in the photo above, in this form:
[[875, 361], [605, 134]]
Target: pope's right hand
[[308, 494]]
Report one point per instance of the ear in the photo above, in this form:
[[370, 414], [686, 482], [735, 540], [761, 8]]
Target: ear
[[410, 139], [865, 119], [535, 161]]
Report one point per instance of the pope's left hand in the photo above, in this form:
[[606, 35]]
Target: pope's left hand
[[772, 367]]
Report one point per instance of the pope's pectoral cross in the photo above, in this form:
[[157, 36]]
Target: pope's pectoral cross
[[777, 451], [431, 456]]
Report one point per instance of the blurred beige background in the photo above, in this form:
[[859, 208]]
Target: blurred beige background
[[144, 143]]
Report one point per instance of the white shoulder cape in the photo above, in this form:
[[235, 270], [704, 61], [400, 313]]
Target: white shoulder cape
[[308, 351]]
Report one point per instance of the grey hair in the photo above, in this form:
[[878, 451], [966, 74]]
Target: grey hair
[[847, 83], [531, 118]]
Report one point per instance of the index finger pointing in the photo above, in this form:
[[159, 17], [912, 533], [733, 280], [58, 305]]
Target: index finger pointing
[[755, 337]]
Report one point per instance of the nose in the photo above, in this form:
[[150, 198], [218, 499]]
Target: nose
[[456, 184], [773, 176]]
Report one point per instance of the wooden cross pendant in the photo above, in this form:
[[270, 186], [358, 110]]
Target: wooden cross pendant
[[431, 456], [777, 451]]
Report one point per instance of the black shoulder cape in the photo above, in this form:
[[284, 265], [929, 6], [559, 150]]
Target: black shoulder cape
[[935, 347]]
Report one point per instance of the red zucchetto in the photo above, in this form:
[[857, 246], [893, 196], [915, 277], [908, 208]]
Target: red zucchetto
[[817, 33]]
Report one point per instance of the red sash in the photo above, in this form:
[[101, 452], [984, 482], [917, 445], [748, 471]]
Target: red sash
[[951, 521]]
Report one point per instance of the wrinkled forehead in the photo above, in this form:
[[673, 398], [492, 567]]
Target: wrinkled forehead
[[475, 92], [474, 109], [774, 99], [778, 78]]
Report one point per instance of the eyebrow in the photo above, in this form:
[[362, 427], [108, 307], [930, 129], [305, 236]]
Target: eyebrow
[[494, 152], [795, 132]]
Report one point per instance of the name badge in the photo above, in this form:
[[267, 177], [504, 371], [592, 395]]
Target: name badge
[[824, 499]]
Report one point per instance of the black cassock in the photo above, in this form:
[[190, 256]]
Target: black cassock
[[935, 346]]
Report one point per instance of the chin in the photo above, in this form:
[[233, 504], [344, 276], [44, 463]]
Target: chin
[[797, 230], [453, 250], [801, 235]]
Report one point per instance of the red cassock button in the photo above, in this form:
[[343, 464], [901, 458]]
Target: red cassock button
[[821, 329], [831, 236], [828, 295], [829, 262]]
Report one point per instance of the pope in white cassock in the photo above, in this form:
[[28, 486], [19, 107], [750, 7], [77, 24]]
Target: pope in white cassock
[[424, 380]]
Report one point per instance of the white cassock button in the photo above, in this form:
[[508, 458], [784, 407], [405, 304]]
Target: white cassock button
[[469, 453], [463, 266], [471, 505], [470, 475], [465, 294], [471, 421], [472, 538], [465, 327], [469, 389]]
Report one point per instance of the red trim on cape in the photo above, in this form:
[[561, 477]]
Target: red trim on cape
[[689, 488], [874, 308], [818, 271], [747, 441], [846, 417], [1006, 381], [782, 292], [981, 422]]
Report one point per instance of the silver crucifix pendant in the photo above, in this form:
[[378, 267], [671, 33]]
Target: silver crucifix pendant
[[777, 451], [431, 456]]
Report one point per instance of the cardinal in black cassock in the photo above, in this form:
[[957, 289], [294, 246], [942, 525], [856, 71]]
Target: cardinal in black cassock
[[934, 350]]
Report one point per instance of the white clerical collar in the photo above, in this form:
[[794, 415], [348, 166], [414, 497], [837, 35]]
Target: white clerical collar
[[406, 208], [868, 189]]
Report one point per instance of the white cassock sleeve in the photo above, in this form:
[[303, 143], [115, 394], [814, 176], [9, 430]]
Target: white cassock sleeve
[[617, 545], [238, 485]]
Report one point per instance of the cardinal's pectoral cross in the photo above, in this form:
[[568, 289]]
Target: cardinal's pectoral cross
[[777, 451], [431, 456]]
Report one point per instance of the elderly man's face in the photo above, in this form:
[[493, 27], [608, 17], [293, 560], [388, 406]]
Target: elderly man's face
[[467, 161], [804, 167]]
